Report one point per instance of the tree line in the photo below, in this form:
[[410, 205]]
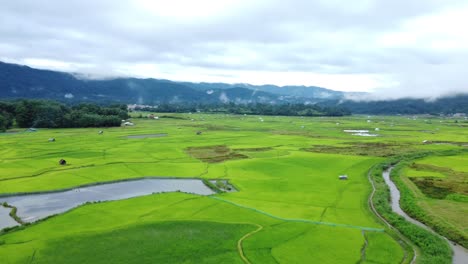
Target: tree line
[[251, 109], [52, 114]]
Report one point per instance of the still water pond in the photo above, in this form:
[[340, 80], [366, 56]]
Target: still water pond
[[37, 206]]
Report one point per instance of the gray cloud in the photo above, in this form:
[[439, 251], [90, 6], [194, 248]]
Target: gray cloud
[[331, 38]]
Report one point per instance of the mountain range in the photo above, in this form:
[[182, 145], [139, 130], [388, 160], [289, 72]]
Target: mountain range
[[17, 81]]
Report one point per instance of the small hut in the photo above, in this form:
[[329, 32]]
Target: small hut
[[51, 139], [101, 132], [343, 177], [62, 162]]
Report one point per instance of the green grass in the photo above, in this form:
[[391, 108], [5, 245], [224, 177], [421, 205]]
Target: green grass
[[375, 253], [190, 242], [275, 165], [412, 173], [457, 163]]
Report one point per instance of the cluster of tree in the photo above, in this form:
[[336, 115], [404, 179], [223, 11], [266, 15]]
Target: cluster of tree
[[52, 114], [252, 109], [6, 115]]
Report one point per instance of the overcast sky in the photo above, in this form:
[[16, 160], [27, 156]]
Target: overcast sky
[[393, 48]]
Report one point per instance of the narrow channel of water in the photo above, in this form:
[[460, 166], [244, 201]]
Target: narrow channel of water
[[38, 206], [460, 254]]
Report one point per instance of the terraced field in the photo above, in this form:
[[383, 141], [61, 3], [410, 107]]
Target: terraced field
[[289, 207]]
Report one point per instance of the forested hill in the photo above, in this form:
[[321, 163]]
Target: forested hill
[[446, 105]]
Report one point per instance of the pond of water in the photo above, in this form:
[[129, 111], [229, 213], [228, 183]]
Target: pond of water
[[362, 133], [32, 207], [5, 219]]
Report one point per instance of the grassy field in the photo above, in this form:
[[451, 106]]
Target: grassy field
[[290, 206]]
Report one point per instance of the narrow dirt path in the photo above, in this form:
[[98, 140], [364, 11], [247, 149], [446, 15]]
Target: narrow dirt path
[[239, 243], [372, 207], [364, 247]]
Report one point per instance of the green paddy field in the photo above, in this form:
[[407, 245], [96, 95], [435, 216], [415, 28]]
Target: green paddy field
[[289, 206]]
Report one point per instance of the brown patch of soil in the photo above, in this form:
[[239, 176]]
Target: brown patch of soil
[[361, 149], [253, 149], [214, 154]]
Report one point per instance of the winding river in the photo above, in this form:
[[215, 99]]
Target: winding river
[[460, 254], [33, 207]]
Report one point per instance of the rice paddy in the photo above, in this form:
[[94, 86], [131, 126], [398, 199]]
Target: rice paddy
[[289, 207]]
